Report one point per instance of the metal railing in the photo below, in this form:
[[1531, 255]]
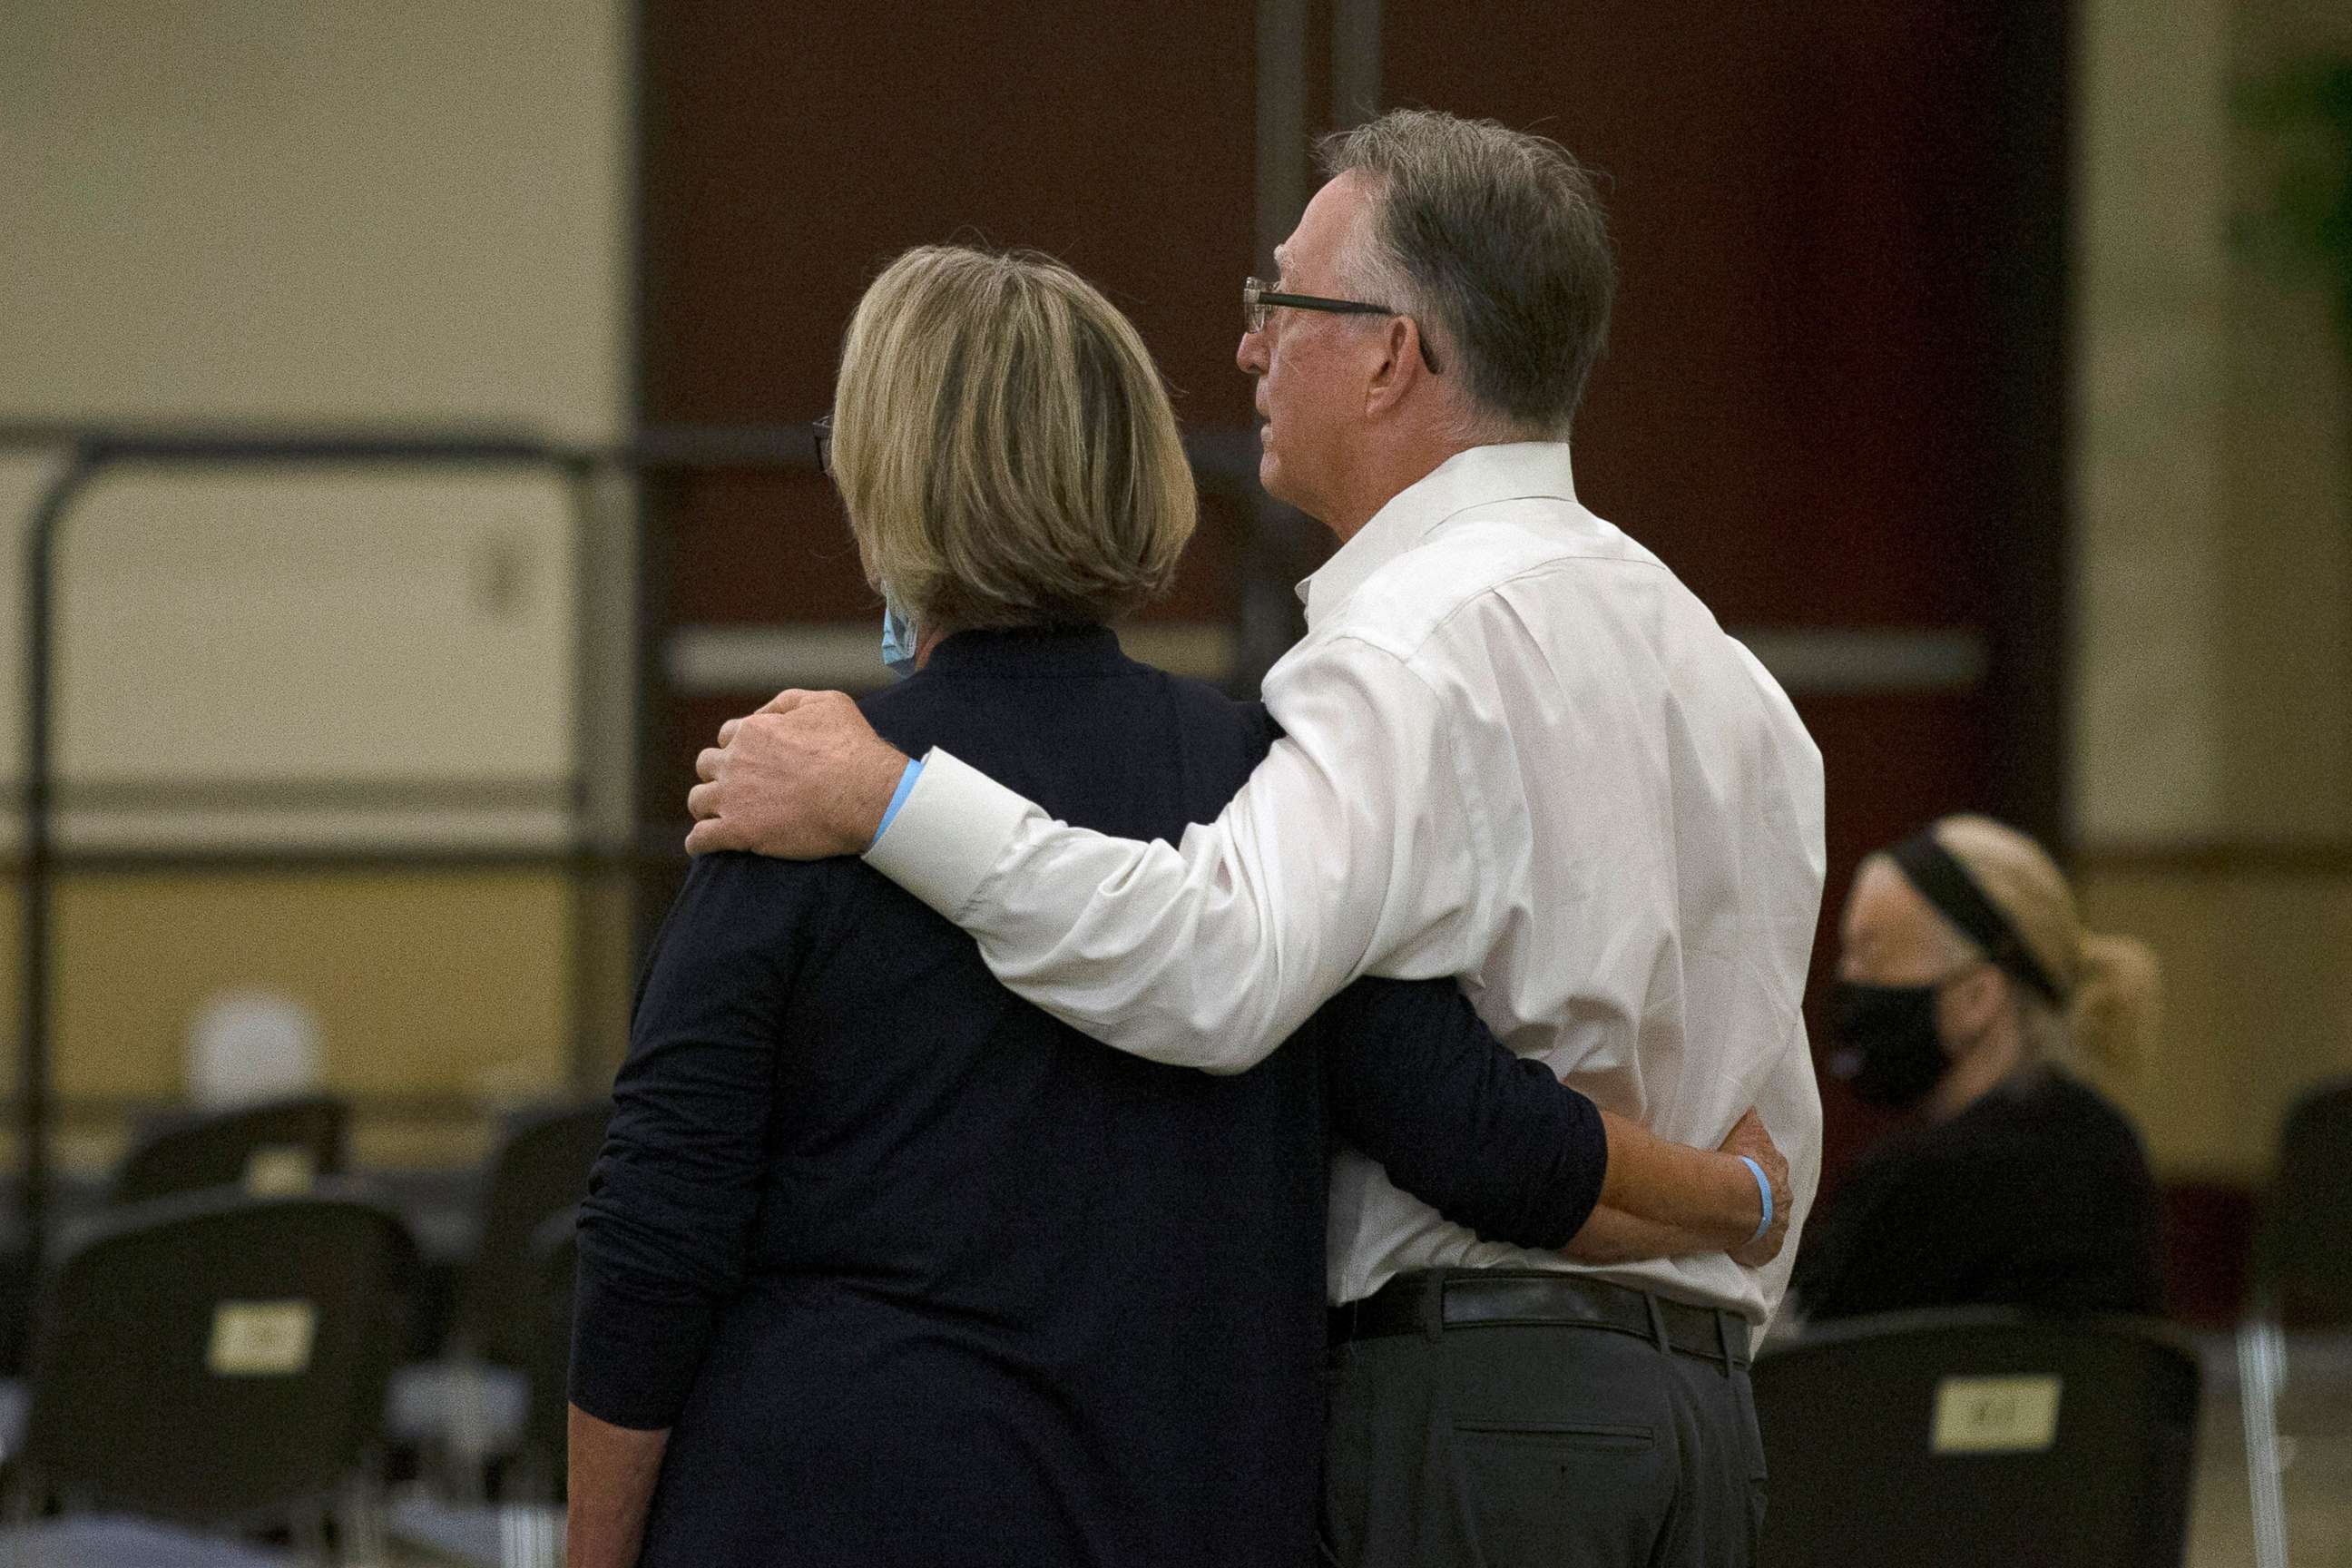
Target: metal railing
[[1225, 463]]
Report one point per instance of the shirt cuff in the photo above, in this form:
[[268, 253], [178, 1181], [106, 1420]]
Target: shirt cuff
[[633, 1362], [947, 833], [1582, 1171], [906, 777]]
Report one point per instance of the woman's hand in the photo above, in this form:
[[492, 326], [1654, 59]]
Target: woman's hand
[[1667, 1199], [1747, 1137]]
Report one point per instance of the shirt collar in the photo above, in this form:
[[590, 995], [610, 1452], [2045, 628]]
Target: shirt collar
[[1481, 475]]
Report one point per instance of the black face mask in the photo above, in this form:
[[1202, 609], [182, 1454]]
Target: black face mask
[[1888, 1050]]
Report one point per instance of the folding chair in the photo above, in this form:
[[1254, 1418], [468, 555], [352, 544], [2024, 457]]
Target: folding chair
[[1978, 1438], [470, 1407], [2302, 1285], [216, 1361], [522, 1531], [269, 1149]]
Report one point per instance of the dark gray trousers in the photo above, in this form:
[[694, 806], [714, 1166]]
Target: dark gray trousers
[[1508, 1447]]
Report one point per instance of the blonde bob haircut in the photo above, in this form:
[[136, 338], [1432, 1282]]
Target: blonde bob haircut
[[1005, 446]]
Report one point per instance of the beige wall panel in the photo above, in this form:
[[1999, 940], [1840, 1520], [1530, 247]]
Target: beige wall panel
[[2151, 193], [2213, 578], [315, 209], [2286, 576], [2258, 1007], [2293, 955], [313, 213], [2188, 1093], [423, 982], [444, 983], [224, 628], [317, 212]]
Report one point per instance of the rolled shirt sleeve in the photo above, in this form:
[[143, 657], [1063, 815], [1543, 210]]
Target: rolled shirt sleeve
[[1351, 847], [665, 1229], [1491, 1141]]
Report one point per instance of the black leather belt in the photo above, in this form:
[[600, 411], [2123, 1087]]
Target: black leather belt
[[1435, 1300]]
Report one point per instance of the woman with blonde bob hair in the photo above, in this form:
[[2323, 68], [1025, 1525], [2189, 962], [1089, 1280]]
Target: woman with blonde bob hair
[[882, 1265], [1967, 988], [1003, 447]]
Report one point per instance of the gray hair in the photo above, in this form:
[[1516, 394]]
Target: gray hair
[[1497, 239]]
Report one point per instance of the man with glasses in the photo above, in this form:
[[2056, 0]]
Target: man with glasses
[[1518, 752], [1259, 297]]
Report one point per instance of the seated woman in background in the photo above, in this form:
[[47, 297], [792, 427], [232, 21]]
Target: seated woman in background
[[1965, 983], [881, 1264]]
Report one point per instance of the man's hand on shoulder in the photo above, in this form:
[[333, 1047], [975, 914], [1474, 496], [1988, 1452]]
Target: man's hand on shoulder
[[804, 778]]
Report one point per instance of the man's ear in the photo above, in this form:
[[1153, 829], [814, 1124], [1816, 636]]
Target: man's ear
[[1398, 367]]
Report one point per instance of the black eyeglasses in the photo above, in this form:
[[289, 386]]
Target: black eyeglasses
[[821, 436], [1259, 297]]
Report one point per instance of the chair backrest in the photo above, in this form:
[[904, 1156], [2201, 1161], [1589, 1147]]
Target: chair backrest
[[2303, 1261], [269, 1149], [218, 1357], [1980, 1439], [541, 1170]]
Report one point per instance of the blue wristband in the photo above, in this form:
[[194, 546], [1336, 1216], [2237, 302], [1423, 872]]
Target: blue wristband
[[1764, 1186], [913, 770]]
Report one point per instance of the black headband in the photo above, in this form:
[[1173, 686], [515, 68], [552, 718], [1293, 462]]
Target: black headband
[[1944, 882]]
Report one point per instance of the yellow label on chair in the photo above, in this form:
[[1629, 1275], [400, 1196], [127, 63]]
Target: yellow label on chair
[[275, 1170], [261, 1339], [1995, 1415]]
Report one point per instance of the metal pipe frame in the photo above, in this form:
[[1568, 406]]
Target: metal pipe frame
[[92, 452], [1224, 464]]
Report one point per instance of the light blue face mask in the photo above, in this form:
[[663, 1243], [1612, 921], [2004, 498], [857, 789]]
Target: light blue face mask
[[897, 639]]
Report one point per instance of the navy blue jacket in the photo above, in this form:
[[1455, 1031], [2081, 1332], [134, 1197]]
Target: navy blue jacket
[[919, 1274]]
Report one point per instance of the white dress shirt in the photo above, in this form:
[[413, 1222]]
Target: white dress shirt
[[1518, 752]]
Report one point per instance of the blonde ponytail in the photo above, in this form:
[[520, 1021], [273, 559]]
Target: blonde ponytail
[[2117, 1002]]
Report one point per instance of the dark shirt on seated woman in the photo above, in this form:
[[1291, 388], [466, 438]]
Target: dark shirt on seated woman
[[919, 1274], [2036, 1195]]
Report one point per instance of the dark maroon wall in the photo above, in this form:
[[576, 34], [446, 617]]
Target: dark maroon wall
[[1834, 394], [789, 153], [1835, 389]]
